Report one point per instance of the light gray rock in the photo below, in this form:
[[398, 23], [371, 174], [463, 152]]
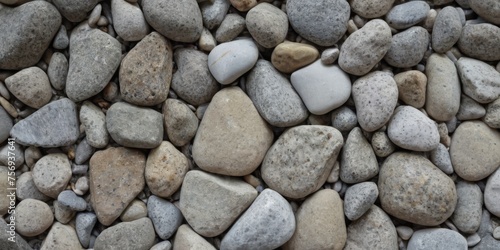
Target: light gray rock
[[186, 238], [135, 210], [441, 158], [5, 200], [232, 25], [30, 86], [83, 152], [408, 47], [58, 70], [480, 81], [33, 217], [382, 145], [6, 124], [180, 122], [467, 214], [164, 245], [446, 30], [480, 41], [329, 56], [492, 193], [357, 161], [138, 234], [70, 199], [128, 20], [359, 198], [344, 119], [94, 122], [52, 173], [371, 8], [437, 238], [18, 244], [258, 20], [18, 155], [492, 117], [213, 12], [74, 10], [61, 237], [469, 109], [487, 9], [207, 40], [61, 40], [404, 232], [26, 188], [408, 14], [166, 217], [63, 214]]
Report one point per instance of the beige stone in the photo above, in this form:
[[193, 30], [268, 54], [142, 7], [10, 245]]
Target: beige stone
[[243, 5], [61, 237], [180, 122], [135, 210], [290, 56], [33, 217], [412, 85], [4, 184], [186, 238]]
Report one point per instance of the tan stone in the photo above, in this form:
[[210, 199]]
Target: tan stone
[[243, 5], [61, 237], [186, 238], [289, 56], [412, 85], [4, 184], [136, 209], [33, 217]]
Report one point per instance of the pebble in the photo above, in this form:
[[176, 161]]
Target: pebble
[[146, 71], [437, 238], [334, 174], [323, 88], [164, 245], [365, 47], [3, 91], [469, 109], [411, 129], [30, 86], [209, 218], [186, 238], [213, 12], [372, 8], [427, 196], [58, 70], [192, 81], [81, 185], [408, 14], [404, 232], [467, 214], [320, 223], [74, 12], [6, 124], [51, 174], [473, 150], [408, 47], [480, 81], [128, 20], [138, 234], [329, 56], [4, 184], [94, 122], [288, 57], [359, 198], [492, 117], [375, 96], [382, 145], [95, 15], [473, 240], [180, 21], [26, 188], [374, 230], [300, 161], [232, 138], [207, 41], [83, 152], [61, 39], [9, 108], [480, 41], [63, 213], [166, 217], [70, 199], [274, 96], [94, 58], [179, 121], [135, 210], [487, 9], [228, 61], [267, 224], [134, 126], [446, 30], [412, 86], [61, 237], [492, 193], [344, 119], [26, 32], [18, 155], [230, 28], [496, 233], [112, 168], [358, 161], [326, 31], [441, 158], [165, 169], [33, 217], [258, 20]]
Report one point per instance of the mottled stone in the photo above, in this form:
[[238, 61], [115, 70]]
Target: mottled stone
[[467, 214], [258, 20], [407, 14], [232, 25], [58, 70], [138, 234], [446, 30], [437, 238], [359, 199], [94, 122], [179, 121], [135, 210], [186, 238], [480, 41], [51, 174], [166, 217], [492, 117], [412, 86], [26, 188], [480, 81], [33, 217], [61, 237], [128, 20], [487, 9], [30, 86], [74, 10], [213, 12], [492, 193], [84, 224], [358, 161]]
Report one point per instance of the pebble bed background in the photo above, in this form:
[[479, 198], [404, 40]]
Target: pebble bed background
[[245, 124]]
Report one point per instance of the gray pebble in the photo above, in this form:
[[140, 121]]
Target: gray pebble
[[492, 117], [164, 245], [230, 28], [180, 122], [344, 119], [258, 20], [82, 185], [359, 198], [58, 70], [496, 233], [405, 15], [94, 16], [441, 158], [75, 11], [408, 47], [487, 9], [3, 91], [371, 8], [447, 29], [26, 188], [480, 81], [213, 12], [480, 41], [329, 56], [63, 214], [404, 232], [61, 40], [128, 20], [70, 199], [79, 169], [83, 152], [467, 214], [94, 122], [166, 217], [5, 124], [473, 240], [30, 86], [84, 224], [358, 161], [470, 109], [382, 145], [438, 239]]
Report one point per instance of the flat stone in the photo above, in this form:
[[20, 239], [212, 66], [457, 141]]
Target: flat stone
[[135, 210], [232, 25], [84, 224], [480, 41], [179, 122], [51, 174], [467, 214], [492, 117], [213, 12], [300, 161], [446, 30], [371, 8], [437, 238], [441, 158], [70, 199], [128, 20], [33, 217], [166, 217], [470, 109], [412, 86], [58, 70], [75, 11], [26, 188], [94, 122], [209, 218], [358, 161], [138, 234], [258, 20], [408, 14], [480, 81], [492, 193], [116, 178], [30, 86], [408, 47], [289, 56], [6, 124], [186, 238], [61, 237], [487, 9], [359, 199], [232, 138]]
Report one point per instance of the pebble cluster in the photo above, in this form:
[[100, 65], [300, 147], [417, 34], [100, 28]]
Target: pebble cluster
[[246, 124]]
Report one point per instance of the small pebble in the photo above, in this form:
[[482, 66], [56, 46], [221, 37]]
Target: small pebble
[[166, 217], [404, 232], [70, 199], [329, 56], [473, 240], [230, 28]]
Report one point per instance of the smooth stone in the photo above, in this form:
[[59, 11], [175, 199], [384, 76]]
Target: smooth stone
[[412, 86], [228, 61], [326, 31], [61, 39], [232, 138], [426, 196], [135, 210], [467, 214], [437, 238], [404, 232], [26, 32], [375, 97], [323, 88], [26, 188], [487, 9], [357, 161], [70, 199], [446, 30], [359, 198], [75, 11], [473, 150], [492, 117], [480, 81], [61, 237], [441, 158], [374, 230], [213, 12], [116, 178], [371, 8], [166, 217], [82, 185], [94, 16], [186, 238], [287, 57], [138, 234], [274, 96], [133, 126], [6, 124], [496, 233], [3, 91], [128, 20], [30, 86], [165, 169], [469, 109], [344, 119], [209, 218], [179, 122], [473, 240], [232, 25], [243, 5], [94, 122], [83, 152], [408, 47], [63, 214], [207, 41], [146, 71], [178, 20], [492, 193], [33, 217], [320, 223], [411, 129], [487, 242], [18, 244], [18, 155], [9, 108], [300, 161], [382, 145], [94, 58], [329, 56], [365, 47], [480, 41], [407, 14], [258, 20], [164, 245], [6, 183], [267, 224], [192, 81], [58, 70], [52, 173]]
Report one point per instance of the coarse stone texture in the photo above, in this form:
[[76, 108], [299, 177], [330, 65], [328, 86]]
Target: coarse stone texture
[[300, 161], [322, 23], [441, 158], [213, 12], [473, 150], [165, 169], [258, 20], [207, 41], [232, 25], [492, 193], [61, 237], [52, 173], [186, 238], [469, 109], [480, 41], [83, 152], [133, 126], [228, 61], [30, 86], [135, 210], [344, 119], [375, 97], [17, 153], [33, 217], [274, 96], [446, 30], [382, 145], [359, 198], [163, 245], [58, 70], [61, 39], [289, 56], [6, 196], [407, 14], [412, 86], [426, 196], [179, 122], [371, 8], [94, 122], [492, 117], [408, 47], [128, 20], [166, 217], [320, 223], [26, 32], [487, 9], [374, 230], [209, 218], [480, 81], [69, 199], [232, 138], [53, 125], [329, 56], [357, 161], [365, 47], [146, 71], [84, 225], [63, 214], [437, 238], [26, 188], [116, 177], [18, 244], [74, 10], [138, 234], [267, 224], [467, 214]]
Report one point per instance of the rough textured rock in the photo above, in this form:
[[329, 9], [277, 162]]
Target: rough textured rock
[[371, 8], [94, 122], [30, 86], [492, 117], [358, 161], [166, 217], [437, 238], [480, 41], [138, 234], [359, 198], [412, 86], [74, 10], [128, 20], [51, 174], [179, 122], [18, 244], [61, 237], [258, 20], [407, 14], [33, 217], [492, 194], [408, 47], [58, 70], [480, 81], [487, 9], [447, 29], [467, 214]]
